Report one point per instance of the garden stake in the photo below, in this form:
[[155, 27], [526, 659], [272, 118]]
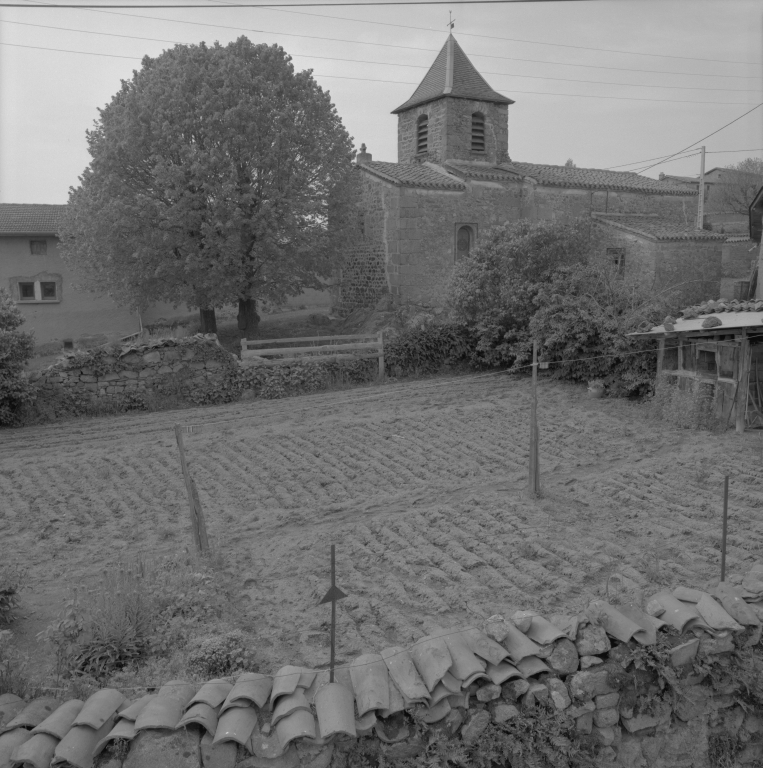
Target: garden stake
[[725, 525], [534, 484], [198, 525], [332, 596]]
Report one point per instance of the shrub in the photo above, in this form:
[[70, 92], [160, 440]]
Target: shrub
[[691, 408], [427, 349], [493, 290], [11, 580], [13, 667], [584, 314], [221, 655], [16, 347]]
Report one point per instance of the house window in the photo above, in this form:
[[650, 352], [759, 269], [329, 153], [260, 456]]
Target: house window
[[464, 240], [48, 291], [422, 134], [478, 132], [38, 247], [26, 291], [616, 257]]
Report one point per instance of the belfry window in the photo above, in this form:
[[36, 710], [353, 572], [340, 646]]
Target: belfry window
[[478, 132], [422, 134]]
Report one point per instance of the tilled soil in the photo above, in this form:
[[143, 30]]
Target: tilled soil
[[420, 485]]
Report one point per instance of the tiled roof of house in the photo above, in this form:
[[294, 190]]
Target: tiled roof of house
[[679, 179], [298, 715], [412, 175], [482, 171], [655, 227], [594, 178], [452, 74], [30, 219]]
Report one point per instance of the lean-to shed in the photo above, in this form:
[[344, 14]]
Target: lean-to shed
[[717, 345]]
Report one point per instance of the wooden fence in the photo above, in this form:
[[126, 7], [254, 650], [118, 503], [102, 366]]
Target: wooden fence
[[320, 348]]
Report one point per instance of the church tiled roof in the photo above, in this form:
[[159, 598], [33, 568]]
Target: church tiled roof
[[656, 228], [452, 74], [483, 171], [412, 175], [594, 178], [30, 219]]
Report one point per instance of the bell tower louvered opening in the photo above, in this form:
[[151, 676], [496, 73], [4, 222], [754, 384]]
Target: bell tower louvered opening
[[422, 134], [478, 132]]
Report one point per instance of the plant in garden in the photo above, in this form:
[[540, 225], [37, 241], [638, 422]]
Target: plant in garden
[[218, 175], [426, 349], [584, 315], [12, 579], [222, 655], [493, 290], [16, 347], [13, 667]]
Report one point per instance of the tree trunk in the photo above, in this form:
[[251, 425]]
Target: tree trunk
[[207, 320], [248, 319]]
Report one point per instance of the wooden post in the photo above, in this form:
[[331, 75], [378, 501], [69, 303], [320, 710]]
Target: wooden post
[[740, 402], [701, 195], [381, 354], [332, 596], [198, 525], [725, 526], [660, 355], [534, 480]]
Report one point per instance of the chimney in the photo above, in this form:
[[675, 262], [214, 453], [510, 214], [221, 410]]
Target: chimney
[[363, 156]]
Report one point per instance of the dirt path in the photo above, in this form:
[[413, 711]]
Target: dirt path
[[421, 488]]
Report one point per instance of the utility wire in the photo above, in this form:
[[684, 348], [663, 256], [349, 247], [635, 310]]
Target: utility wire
[[708, 152], [408, 82], [736, 119], [412, 66], [413, 48]]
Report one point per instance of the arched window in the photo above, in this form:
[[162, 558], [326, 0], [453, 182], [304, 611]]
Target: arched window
[[422, 134], [478, 132], [464, 237]]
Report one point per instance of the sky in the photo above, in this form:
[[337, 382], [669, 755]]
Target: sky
[[602, 82]]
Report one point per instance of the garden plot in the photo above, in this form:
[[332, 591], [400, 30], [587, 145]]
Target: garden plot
[[419, 485]]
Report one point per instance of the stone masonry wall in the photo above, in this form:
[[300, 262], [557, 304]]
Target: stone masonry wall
[[177, 366], [436, 111]]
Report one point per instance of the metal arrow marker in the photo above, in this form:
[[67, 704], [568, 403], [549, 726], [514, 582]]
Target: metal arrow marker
[[332, 596]]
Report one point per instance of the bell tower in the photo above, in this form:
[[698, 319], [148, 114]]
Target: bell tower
[[453, 115]]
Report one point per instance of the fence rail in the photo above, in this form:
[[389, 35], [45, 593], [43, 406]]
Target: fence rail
[[365, 346]]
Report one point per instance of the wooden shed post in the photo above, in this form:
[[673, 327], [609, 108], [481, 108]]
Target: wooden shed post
[[743, 368], [660, 355]]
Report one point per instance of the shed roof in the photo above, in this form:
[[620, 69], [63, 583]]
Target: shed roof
[[413, 175], [30, 218], [452, 74], [595, 178], [732, 314], [654, 227]]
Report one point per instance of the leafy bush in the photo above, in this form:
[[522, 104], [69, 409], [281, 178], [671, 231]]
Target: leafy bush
[[426, 349], [16, 347], [11, 580], [222, 655], [492, 291], [13, 667], [692, 408], [584, 314]]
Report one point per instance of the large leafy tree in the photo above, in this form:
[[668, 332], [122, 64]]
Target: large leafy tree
[[218, 175], [16, 348], [738, 186]]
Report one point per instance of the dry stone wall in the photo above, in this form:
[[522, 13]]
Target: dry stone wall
[[170, 366], [677, 683]]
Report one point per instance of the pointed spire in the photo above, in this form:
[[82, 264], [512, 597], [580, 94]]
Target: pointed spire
[[452, 74]]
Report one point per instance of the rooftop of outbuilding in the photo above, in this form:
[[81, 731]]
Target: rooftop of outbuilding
[[30, 219]]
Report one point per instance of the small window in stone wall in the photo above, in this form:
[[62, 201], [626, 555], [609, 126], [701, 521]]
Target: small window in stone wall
[[706, 359], [38, 247], [616, 257], [465, 234], [422, 134], [478, 132], [26, 291], [727, 357]]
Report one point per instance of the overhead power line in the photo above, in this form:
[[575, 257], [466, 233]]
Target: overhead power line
[[694, 143], [396, 64], [708, 152], [403, 47], [405, 82]]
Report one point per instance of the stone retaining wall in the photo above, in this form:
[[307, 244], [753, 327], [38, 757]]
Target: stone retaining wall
[[171, 366]]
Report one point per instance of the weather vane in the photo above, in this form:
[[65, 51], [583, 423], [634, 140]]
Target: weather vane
[[451, 20]]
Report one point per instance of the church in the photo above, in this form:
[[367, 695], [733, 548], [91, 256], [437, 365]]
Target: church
[[454, 178]]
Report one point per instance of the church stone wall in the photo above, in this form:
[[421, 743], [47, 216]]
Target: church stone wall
[[458, 144], [436, 111]]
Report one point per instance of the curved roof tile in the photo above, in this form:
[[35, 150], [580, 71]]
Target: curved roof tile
[[412, 175]]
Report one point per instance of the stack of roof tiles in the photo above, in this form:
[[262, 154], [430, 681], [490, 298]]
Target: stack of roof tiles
[[462, 678], [722, 305]]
